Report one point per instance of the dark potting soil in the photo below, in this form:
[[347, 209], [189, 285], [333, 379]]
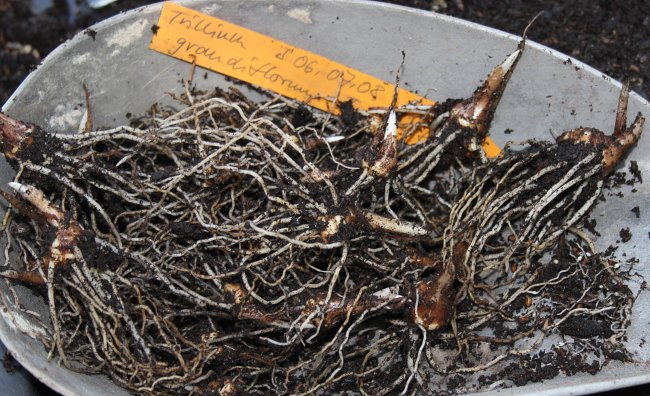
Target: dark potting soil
[[611, 35], [9, 363]]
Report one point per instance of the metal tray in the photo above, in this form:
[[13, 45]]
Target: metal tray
[[445, 57]]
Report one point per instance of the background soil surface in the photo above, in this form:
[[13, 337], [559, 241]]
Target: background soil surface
[[611, 35]]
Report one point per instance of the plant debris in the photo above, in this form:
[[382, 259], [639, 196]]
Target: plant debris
[[229, 246]]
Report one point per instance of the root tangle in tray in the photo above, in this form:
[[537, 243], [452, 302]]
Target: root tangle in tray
[[235, 247]]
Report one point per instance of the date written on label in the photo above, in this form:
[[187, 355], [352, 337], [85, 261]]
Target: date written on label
[[261, 60], [296, 73], [345, 77]]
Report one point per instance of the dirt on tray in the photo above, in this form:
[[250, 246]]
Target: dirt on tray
[[612, 36]]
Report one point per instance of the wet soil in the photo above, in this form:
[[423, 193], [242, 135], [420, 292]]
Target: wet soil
[[611, 35], [9, 363]]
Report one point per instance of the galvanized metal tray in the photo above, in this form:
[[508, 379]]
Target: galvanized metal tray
[[445, 57]]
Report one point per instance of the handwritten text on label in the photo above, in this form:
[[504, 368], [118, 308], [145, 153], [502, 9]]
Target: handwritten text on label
[[280, 67]]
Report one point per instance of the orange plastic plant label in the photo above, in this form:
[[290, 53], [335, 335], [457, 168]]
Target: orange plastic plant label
[[257, 59]]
